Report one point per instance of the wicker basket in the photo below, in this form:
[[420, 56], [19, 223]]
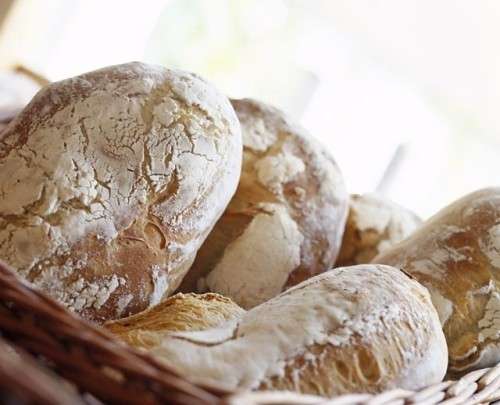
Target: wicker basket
[[50, 356]]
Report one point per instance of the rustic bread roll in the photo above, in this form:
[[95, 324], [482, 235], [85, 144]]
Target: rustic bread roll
[[110, 182], [374, 224], [286, 220], [365, 328], [181, 312], [456, 255]]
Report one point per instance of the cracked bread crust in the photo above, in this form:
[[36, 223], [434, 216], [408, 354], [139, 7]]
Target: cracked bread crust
[[286, 220], [365, 328], [456, 255], [110, 181], [374, 224]]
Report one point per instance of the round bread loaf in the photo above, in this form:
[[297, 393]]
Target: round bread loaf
[[374, 224], [110, 182], [364, 328], [456, 255], [286, 220], [181, 312]]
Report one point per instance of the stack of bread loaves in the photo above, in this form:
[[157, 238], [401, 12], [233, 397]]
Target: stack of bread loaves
[[124, 185]]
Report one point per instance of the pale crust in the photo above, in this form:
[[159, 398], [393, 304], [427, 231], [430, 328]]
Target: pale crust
[[374, 224], [286, 220], [455, 254], [181, 312], [364, 328], [110, 181]]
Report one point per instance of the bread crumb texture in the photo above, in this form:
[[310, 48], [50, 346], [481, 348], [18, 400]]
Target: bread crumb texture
[[456, 255], [362, 328], [110, 181], [286, 220], [181, 312]]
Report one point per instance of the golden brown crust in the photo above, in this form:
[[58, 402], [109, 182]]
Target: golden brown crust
[[181, 312], [289, 209], [110, 181], [455, 255], [373, 225]]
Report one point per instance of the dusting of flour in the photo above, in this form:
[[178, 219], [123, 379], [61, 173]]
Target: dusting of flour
[[265, 255]]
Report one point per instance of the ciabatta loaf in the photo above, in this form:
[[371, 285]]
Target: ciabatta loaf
[[364, 328], [286, 220], [456, 255], [110, 182]]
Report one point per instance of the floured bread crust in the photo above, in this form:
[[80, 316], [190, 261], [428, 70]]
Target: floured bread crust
[[286, 220], [110, 181], [374, 224], [456, 255], [181, 312], [364, 328]]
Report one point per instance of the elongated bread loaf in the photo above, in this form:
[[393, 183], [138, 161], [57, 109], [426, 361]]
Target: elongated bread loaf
[[286, 220], [364, 328], [110, 182], [456, 255]]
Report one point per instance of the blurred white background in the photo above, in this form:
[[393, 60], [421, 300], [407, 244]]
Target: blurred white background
[[404, 93]]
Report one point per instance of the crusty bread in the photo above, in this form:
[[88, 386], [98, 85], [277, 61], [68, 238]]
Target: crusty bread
[[181, 312], [286, 220], [456, 255], [110, 182], [374, 224], [364, 328]]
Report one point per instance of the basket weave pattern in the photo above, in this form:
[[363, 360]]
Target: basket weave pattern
[[97, 364]]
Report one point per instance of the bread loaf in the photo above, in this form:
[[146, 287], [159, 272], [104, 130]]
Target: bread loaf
[[286, 220], [456, 255], [181, 312], [110, 182], [364, 328], [374, 224]]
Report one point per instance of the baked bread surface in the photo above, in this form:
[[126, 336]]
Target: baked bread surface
[[286, 220], [181, 312], [110, 181], [456, 255], [374, 224], [364, 328]]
